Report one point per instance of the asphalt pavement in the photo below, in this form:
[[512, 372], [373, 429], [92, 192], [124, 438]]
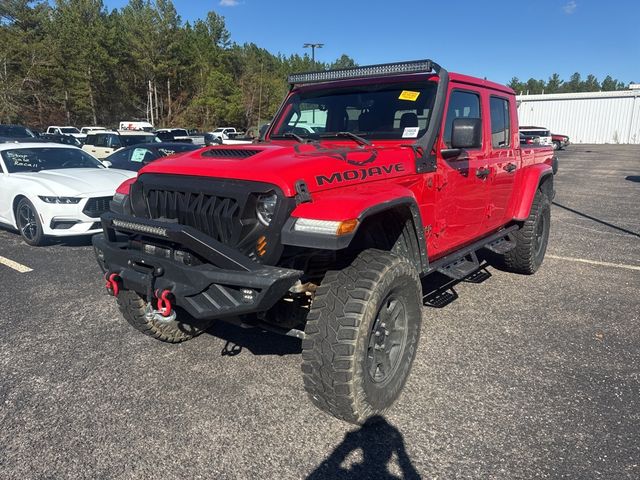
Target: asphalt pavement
[[519, 377]]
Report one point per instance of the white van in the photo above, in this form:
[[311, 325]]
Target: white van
[[136, 126]]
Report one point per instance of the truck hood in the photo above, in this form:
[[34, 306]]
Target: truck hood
[[68, 182], [321, 166]]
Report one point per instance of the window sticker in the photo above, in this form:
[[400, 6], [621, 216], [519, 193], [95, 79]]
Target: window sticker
[[409, 95], [138, 155], [410, 132]]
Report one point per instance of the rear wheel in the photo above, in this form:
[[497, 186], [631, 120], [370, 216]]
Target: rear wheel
[[361, 336], [532, 238], [134, 308], [28, 223]]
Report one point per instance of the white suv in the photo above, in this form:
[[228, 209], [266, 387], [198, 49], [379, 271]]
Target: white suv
[[101, 144], [542, 133]]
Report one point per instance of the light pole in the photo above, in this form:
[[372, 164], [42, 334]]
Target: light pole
[[313, 47]]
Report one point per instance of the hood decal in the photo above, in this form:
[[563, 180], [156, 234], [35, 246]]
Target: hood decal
[[339, 153], [359, 174]]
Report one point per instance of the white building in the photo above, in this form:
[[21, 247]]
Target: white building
[[594, 117]]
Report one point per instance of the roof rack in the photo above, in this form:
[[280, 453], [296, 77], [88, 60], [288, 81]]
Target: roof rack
[[381, 70]]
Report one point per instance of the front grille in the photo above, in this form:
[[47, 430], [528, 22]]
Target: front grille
[[218, 217], [96, 206], [223, 209], [229, 152]]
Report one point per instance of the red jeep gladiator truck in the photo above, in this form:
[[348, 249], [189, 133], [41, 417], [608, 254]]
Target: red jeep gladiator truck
[[367, 180]]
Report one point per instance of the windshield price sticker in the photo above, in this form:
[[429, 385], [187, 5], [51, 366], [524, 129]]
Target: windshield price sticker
[[410, 132], [409, 95], [138, 155]]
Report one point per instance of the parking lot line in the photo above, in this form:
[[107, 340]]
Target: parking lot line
[[595, 262], [15, 265]]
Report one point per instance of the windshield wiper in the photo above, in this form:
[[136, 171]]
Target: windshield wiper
[[352, 136], [292, 135]]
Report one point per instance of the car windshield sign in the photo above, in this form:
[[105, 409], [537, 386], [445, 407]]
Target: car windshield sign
[[36, 159], [386, 112]]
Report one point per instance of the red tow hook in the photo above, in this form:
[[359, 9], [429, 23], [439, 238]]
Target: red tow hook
[[113, 285], [164, 303]]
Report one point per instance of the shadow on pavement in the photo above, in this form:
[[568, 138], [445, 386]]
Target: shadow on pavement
[[602, 222], [377, 441], [258, 342], [633, 178]]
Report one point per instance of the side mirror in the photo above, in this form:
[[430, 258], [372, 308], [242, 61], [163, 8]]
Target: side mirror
[[107, 163], [466, 133]]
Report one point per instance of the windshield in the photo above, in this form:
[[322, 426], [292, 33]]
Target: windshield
[[539, 133], [129, 140], [218, 130], [388, 111], [15, 131], [69, 130], [46, 158]]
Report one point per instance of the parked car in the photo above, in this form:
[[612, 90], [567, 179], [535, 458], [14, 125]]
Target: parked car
[[87, 130], [174, 135], [529, 139], [543, 133], [137, 156], [63, 139], [560, 142], [326, 238], [103, 143], [66, 131], [227, 136], [53, 190], [16, 133]]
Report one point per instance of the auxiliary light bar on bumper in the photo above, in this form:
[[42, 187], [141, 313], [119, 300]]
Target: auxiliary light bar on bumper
[[226, 283]]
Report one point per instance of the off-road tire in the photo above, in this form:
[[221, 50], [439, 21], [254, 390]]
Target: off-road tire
[[36, 237], [554, 165], [529, 252], [132, 306], [339, 327]]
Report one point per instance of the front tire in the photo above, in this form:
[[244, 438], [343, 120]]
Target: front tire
[[28, 223], [133, 309], [532, 238], [361, 336]]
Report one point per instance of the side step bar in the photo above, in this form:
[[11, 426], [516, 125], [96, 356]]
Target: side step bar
[[465, 259]]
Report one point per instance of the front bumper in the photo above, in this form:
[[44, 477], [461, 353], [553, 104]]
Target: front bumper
[[226, 284]]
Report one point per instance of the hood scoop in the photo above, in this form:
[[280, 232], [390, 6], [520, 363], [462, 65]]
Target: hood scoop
[[217, 152]]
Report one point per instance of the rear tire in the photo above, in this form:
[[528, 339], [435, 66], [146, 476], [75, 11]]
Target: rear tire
[[532, 238], [361, 336], [133, 309]]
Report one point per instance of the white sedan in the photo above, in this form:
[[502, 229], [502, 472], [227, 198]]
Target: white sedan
[[49, 189]]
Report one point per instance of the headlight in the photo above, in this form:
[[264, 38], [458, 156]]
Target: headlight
[[266, 207], [64, 200]]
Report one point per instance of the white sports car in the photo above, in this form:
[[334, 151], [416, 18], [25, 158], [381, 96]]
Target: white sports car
[[49, 189]]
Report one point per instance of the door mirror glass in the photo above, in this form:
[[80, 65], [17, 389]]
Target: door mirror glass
[[466, 133]]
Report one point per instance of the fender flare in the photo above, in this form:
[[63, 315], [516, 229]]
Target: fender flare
[[369, 208], [532, 178]]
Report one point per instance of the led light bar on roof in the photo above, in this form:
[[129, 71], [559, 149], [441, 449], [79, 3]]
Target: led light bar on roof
[[385, 69]]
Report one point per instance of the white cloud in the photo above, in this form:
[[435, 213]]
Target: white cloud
[[229, 3], [568, 8]]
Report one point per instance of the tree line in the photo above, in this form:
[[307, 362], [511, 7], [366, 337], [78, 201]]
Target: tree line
[[74, 62], [575, 84]]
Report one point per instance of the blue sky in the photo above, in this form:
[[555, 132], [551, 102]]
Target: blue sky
[[497, 39]]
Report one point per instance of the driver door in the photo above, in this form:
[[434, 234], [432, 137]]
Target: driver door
[[460, 184]]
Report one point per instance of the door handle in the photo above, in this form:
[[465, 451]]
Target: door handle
[[510, 167], [483, 172]]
